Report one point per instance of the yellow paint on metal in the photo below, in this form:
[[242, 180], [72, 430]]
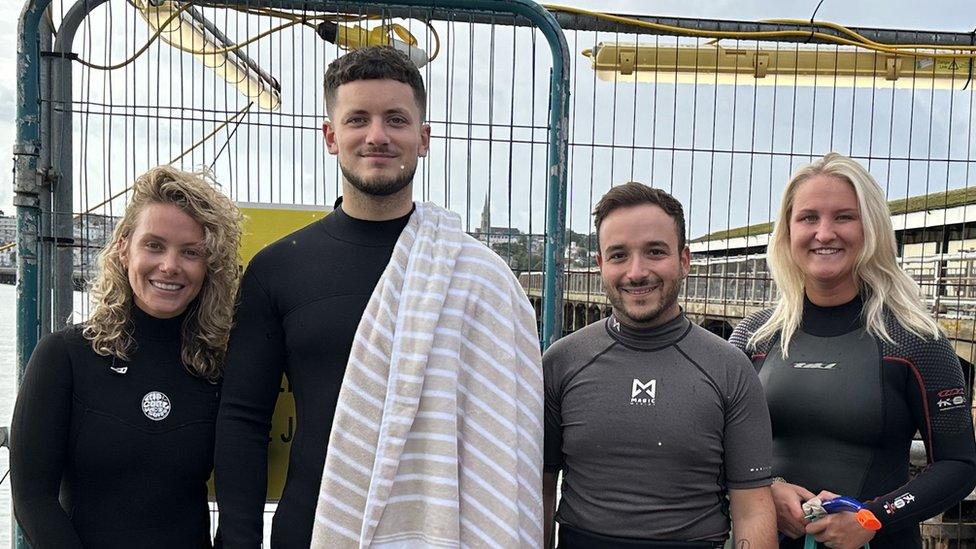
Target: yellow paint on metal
[[266, 223], [800, 65]]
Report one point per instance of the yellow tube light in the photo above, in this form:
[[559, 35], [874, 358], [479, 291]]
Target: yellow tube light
[[786, 66], [185, 33], [353, 37]]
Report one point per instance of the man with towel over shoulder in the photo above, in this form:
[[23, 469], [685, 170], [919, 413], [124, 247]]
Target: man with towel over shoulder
[[410, 348]]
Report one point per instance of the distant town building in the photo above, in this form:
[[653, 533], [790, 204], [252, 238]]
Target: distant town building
[[8, 236], [494, 235], [89, 234], [499, 235], [8, 228]]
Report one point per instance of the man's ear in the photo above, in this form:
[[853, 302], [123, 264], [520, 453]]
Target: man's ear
[[685, 261], [328, 131], [599, 260], [424, 140]]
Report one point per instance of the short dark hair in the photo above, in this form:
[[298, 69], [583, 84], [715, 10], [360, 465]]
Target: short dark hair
[[637, 194], [374, 63]]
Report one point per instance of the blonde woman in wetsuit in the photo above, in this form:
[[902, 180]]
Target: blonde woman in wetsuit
[[853, 365], [113, 429]]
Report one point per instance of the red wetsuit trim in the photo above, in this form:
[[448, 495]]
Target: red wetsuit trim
[[925, 403]]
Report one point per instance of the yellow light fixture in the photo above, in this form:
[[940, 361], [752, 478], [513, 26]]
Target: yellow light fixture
[[801, 65], [186, 34], [353, 37]]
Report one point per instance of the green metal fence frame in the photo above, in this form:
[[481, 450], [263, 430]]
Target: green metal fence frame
[[32, 144]]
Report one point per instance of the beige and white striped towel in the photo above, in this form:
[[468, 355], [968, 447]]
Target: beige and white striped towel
[[437, 436]]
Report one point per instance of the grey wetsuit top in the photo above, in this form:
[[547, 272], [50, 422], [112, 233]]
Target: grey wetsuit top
[[651, 428]]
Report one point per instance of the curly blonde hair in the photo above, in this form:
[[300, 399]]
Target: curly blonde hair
[[206, 328]]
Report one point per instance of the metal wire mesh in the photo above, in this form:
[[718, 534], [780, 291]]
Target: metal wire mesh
[[725, 142], [488, 98], [125, 96]]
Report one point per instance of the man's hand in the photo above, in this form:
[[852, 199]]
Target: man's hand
[[839, 530], [788, 499]]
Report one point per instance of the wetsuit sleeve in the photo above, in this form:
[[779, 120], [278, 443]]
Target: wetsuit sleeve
[[744, 330], [748, 434], [937, 395], [252, 377], [740, 336], [39, 446], [553, 440]]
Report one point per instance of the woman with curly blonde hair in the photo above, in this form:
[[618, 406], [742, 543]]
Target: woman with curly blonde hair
[[113, 429], [852, 365]]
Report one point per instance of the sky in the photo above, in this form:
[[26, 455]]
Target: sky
[[707, 211], [937, 15]]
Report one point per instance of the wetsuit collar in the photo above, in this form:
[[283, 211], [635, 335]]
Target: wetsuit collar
[[648, 339], [362, 232], [832, 321], [162, 329]]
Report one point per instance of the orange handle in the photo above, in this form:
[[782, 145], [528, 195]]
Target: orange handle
[[867, 520]]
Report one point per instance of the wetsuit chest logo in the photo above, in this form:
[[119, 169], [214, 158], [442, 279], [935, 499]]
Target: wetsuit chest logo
[[156, 405], [815, 365], [643, 394]]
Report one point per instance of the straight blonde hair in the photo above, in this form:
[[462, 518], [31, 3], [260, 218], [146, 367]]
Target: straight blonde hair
[[881, 282]]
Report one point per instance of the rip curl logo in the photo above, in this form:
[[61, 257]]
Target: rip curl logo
[[951, 399], [614, 324], [643, 394], [815, 365], [156, 405], [891, 507]]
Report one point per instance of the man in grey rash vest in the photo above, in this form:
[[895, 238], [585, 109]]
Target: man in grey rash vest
[[652, 420]]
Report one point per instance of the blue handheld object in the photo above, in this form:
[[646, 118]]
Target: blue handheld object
[[839, 504], [864, 515], [842, 503]]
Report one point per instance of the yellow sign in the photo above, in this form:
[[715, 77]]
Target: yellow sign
[[264, 224]]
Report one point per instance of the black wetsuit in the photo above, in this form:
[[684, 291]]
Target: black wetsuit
[[131, 465], [845, 406], [301, 301]]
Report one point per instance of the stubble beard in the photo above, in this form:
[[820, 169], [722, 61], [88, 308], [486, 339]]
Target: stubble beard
[[650, 318], [382, 186]]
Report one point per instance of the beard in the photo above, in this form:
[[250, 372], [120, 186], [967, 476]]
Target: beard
[[644, 316], [379, 186]]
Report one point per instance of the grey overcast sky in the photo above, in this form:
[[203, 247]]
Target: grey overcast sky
[[945, 15]]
